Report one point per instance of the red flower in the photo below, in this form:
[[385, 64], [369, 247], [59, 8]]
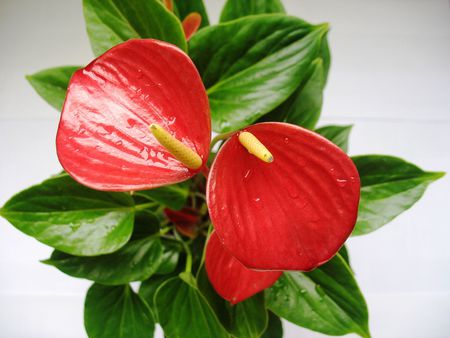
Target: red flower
[[231, 279], [292, 214], [103, 137], [185, 220], [280, 197]]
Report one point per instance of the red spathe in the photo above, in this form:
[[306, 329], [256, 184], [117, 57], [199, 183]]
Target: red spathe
[[103, 139], [232, 280], [292, 214]]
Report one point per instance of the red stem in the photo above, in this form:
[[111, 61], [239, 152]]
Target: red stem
[[205, 171]]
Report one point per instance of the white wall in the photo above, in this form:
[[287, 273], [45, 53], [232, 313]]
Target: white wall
[[390, 77]]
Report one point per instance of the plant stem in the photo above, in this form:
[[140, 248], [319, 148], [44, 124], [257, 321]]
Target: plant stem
[[221, 137], [205, 171], [210, 229], [188, 252], [143, 206]]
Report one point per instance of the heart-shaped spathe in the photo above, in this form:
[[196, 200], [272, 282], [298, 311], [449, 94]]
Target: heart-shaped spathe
[[292, 214], [103, 139]]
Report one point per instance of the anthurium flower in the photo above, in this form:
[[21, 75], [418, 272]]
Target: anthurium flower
[[103, 139], [185, 220], [290, 207], [279, 196], [191, 24], [232, 280]]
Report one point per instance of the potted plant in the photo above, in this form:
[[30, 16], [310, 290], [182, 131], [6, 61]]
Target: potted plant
[[224, 235]]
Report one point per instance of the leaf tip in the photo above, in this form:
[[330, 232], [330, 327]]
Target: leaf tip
[[47, 261], [324, 27], [434, 176]]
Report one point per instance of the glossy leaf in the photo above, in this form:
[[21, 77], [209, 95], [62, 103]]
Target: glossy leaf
[[184, 312], [146, 224], [253, 64], [173, 196], [327, 300], [337, 134], [235, 9], [135, 261], [148, 289], [232, 280], [184, 8], [103, 138], [72, 218], [389, 186], [116, 312], [245, 319], [249, 318], [294, 213], [304, 106], [170, 257], [344, 254], [111, 22], [325, 55], [274, 327], [51, 84]]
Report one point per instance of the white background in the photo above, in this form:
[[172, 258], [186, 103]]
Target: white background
[[390, 77]]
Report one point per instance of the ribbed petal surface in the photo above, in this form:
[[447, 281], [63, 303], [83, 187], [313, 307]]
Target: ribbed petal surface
[[292, 214], [103, 139], [232, 280]]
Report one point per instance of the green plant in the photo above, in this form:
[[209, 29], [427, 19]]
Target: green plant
[[265, 66]]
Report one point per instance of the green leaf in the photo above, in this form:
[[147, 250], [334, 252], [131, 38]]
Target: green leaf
[[326, 299], [235, 9], [51, 84], [325, 55], [184, 312], [251, 65], [145, 224], [110, 22], [71, 217], [274, 327], [344, 254], [184, 8], [148, 289], [135, 261], [246, 319], [173, 196], [304, 106], [249, 317], [337, 134], [170, 257], [389, 186], [116, 312]]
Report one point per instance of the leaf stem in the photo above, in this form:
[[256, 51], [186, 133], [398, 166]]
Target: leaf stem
[[210, 229], [144, 206], [188, 268], [221, 137]]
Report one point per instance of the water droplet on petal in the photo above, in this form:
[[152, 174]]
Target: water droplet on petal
[[341, 182], [131, 122], [144, 153], [293, 191], [286, 140], [247, 174]]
